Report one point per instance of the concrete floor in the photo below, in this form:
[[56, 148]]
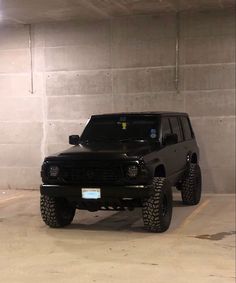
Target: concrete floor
[[113, 247]]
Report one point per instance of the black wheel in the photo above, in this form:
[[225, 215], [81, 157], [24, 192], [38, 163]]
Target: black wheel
[[191, 187], [56, 212], [157, 209]]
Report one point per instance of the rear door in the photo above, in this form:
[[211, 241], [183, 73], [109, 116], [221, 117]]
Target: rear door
[[189, 143], [167, 154], [179, 149]]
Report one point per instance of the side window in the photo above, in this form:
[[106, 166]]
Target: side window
[[186, 128], [176, 128], [165, 126]]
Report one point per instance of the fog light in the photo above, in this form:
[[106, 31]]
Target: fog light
[[54, 171], [132, 171]]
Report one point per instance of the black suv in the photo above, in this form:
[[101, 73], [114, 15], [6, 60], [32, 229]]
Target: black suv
[[123, 161]]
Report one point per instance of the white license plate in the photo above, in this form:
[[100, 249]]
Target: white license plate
[[91, 193]]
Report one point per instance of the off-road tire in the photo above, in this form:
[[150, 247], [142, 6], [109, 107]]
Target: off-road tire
[[157, 209], [56, 212], [191, 186]]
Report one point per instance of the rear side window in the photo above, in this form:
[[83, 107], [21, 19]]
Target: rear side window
[[165, 127], [186, 128], [176, 128]]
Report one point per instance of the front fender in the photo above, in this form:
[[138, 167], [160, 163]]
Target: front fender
[[153, 164]]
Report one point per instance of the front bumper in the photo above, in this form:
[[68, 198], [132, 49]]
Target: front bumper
[[111, 192]]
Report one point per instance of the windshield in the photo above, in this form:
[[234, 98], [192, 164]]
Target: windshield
[[121, 128]]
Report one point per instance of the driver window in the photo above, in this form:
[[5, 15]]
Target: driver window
[[165, 127], [176, 128]]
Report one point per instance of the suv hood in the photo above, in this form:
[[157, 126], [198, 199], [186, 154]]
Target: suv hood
[[107, 151]]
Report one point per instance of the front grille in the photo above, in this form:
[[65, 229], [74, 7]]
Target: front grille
[[92, 175]]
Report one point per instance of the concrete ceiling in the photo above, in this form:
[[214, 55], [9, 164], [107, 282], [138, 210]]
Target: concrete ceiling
[[34, 11]]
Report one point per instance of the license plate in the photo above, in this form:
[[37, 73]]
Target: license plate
[[91, 193]]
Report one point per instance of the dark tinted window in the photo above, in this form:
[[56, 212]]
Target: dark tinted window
[[186, 128], [165, 125], [176, 128], [121, 127]]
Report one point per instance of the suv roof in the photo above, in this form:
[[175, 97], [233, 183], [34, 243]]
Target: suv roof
[[158, 113]]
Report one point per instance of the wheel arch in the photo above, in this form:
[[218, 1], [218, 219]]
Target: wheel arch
[[160, 171], [194, 158]]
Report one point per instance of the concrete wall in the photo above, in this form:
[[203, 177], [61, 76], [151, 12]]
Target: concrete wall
[[127, 64], [21, 122]]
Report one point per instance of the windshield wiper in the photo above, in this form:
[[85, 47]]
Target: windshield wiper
[[109, 139], [99, 139], [131, 139]]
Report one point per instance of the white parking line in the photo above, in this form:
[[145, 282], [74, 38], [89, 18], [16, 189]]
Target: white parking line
[[11, 198], [190, 218]]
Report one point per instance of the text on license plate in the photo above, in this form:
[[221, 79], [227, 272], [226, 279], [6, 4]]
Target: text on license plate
[[91, 193]]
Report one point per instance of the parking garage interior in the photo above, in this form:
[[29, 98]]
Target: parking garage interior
[[62, 61]]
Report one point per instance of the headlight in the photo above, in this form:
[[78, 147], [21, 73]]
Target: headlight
[[132, 171], [53, 171]]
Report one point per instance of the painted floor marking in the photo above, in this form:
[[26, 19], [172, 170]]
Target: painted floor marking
[[11, 198], [190, 218]]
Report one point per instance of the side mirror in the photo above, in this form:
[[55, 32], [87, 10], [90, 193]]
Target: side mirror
[[170, 139], [74, 139]]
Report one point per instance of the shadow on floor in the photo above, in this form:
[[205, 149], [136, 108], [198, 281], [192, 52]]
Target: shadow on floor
[[178, 203], [120, 221]]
